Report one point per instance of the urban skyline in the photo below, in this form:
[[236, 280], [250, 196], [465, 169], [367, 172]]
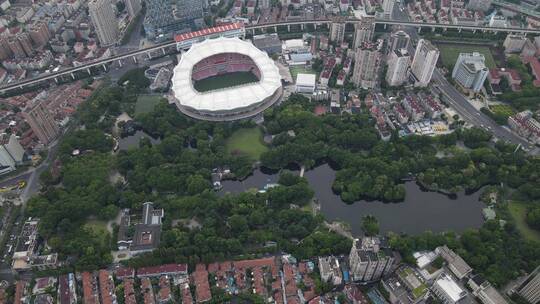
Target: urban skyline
[[284, 151]]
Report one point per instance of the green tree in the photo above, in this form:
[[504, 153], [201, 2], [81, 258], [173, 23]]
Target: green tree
[[533, 217], [370, 225], [197, 184]]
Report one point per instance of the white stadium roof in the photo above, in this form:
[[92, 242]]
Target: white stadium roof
[[225, 99]]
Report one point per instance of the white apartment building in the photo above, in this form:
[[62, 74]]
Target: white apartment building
[[364, 30], [424, 62], [133, 7], [470, 71], [337, 31], [368, 261], [11, 153], [530, 288], [388, 8], [102, 14], [365, 67], [398, 64]]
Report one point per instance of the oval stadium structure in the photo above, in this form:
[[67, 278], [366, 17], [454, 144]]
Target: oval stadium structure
[[225, 79]]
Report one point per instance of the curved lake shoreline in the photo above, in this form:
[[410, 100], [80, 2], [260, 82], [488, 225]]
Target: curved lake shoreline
[[421, 210]]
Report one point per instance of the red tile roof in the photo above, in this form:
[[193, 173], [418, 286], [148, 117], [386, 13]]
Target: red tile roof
[[514, 74], [254, 263], [535, 67], [146, 290], [202, 289], [290, 283], [124, 272], [208, 31], [129, 292], [494, 74], [162, 269], [88, 283], [106, 287], [164, 289], [19, 291], [186, 295], [64, 293]]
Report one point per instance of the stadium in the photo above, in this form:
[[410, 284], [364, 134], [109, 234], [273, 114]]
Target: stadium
[[225, 79]]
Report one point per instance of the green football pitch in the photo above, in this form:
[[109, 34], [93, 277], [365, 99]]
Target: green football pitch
[[450, 53], [224, 81]]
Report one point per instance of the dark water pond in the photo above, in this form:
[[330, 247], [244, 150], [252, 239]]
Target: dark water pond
[[132, 141], [420, 211]]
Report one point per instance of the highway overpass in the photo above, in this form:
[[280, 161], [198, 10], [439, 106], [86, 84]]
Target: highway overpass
[[252, 28], [99, 63], [319, 22]]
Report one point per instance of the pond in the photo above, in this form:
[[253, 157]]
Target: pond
[[420, 211], [132, 141], [257, 180]]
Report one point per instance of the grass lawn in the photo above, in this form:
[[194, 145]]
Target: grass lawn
[[224, 81], [146, 103], [518, 212], [419, 291], [450, 53], [502, 109], [247, 141], [97, 226], [295, 70]]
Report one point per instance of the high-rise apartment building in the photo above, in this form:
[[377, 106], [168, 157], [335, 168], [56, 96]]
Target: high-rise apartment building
[[167, 17], [133, 7], [470, 71], [16, 47], [368, 260], [364, 30], [388, 8], [103, 17], [26, 43], [365, 67], [337, 32], [41, 121], [530, 288], [398, 64], [424, 62], [5, 50], [39, 33], [398, 40], [11, 152]]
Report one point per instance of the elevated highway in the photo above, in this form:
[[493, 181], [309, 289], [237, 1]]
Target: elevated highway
[[251, 28]]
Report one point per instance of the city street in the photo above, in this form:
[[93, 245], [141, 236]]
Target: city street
[[459, 102]]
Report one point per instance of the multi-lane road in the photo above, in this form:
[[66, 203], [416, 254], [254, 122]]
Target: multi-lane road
[[400, 18], [471, 115], [460, 103], [403, 22]]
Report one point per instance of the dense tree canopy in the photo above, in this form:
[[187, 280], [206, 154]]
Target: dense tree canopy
[[370, 225], [202, 226]]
